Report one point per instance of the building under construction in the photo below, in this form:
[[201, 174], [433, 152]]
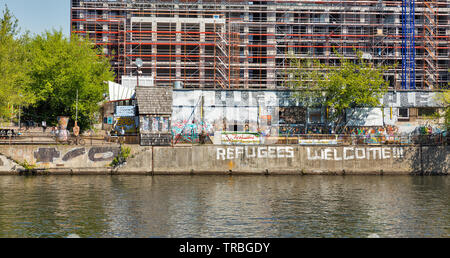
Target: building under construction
[[239, 44]]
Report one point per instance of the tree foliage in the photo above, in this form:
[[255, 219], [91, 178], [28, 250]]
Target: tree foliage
[[60, 67], [339, 88], [444, 97], [43, 74], [14, 67]]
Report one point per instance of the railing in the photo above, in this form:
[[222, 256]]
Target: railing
[[318, 139], [49, 139], [237, 139], [437, 139]]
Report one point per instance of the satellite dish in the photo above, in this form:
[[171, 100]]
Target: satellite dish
[[139, 63]]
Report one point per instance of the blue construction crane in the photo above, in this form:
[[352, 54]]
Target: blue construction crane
[[408, 45]]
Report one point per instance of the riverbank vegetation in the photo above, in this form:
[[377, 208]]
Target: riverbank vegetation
[[122, 157], [42, 75]]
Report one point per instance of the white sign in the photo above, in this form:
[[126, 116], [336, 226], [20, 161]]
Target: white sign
[[317, 141], [125, 111], [240, 138]]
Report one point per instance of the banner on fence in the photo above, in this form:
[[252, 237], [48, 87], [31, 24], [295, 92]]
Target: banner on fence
[[240, 138], [317, 141]]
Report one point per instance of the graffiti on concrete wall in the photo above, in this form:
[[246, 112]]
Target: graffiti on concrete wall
[[95, 154], [190, 132], [355, 153], [46, 155], [248, 152], [73, 154], [102, 153], [326, 153]]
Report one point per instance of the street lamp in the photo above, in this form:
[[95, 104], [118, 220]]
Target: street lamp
[[20, 112], [139, 64]]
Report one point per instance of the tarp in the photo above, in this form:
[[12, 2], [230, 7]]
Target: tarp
[[127, 89]]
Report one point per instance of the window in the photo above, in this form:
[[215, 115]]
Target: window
[[426, 112], [292, 115], [403, 114], [315, 116]]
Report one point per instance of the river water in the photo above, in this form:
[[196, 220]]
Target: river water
[[224, 206]]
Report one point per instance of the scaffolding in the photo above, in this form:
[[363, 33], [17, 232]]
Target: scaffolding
[[430, 44], [408, 45], [248, 44]]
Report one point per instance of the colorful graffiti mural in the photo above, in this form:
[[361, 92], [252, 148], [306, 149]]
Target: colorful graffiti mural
[[129, 124], [190, 132], [428, 129], [375, 134]]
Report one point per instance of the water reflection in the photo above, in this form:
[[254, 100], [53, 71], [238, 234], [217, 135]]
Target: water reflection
[[223, 206]]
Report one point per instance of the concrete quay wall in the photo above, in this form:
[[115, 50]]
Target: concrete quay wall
[[57, 159], [221, 159], [295, 159]]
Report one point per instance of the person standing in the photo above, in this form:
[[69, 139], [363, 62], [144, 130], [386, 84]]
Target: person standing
[[122, 133], [76, 129], [44, 126], [76, 132]]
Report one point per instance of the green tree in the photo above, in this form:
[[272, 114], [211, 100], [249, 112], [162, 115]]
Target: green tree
[[444, 97], [14, 67], [340, 88], [60, 67]]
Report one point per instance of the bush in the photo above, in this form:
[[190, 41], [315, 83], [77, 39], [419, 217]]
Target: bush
[[122, 157]]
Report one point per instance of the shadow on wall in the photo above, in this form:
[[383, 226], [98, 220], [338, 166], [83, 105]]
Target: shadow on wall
[[430, 160]]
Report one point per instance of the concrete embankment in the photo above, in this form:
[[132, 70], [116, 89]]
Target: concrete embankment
[[215, 159]]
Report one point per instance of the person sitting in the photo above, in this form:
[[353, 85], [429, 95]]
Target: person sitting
[[53, 132]]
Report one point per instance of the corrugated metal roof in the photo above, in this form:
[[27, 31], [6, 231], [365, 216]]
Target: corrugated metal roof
[[154, 100]]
